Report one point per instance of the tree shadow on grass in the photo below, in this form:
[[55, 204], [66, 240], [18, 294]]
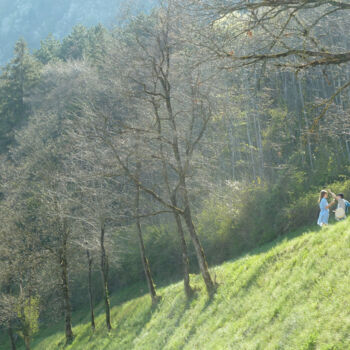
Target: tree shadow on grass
[[257, 269], [137, 290], [146, 318], [137, 327], [192, 330], [181, 315]]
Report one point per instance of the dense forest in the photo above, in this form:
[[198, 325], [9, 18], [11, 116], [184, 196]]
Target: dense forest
[[146, 153]]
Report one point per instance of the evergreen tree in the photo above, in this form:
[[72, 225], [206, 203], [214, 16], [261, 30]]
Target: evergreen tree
[[49, 50], [75, 45], [16, 82]]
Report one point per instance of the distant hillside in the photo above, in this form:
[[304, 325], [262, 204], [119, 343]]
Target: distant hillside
[[291, 294], [35, 19]]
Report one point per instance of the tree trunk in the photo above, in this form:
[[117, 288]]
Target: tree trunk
[[105, 271], [65, 292], [27, 342], [232, 148], [89, 258], [251, 148], [295, 93], [202, 261], [145, 264], [301, 95], [11, 336], [347, 148], [259, 144], [185, 260], [182, 179], [25, 326]]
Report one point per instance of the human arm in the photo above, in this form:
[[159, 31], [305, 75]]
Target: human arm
[[330, 204], [333, 194]]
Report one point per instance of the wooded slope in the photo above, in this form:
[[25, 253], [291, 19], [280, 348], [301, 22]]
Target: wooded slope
[[291, 294]]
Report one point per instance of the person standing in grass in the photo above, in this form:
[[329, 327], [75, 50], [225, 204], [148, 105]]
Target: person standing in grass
[[340, 213], [324, 207]]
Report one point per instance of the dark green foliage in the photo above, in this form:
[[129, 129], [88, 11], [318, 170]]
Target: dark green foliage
[[49, 50], [18, 79], [74, 46], [81, 43]]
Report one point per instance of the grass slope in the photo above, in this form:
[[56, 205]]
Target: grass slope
[[291, 294]]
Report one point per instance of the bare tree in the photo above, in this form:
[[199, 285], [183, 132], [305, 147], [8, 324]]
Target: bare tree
[[148, 75], [22, 260]]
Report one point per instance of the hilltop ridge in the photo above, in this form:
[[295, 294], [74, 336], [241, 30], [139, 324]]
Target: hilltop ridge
[[35, 20]]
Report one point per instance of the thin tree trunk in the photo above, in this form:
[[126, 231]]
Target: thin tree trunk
[[11, 336], [256, 122], [90, 260], [145, 263], [105, 271], [182, 172], [185, 260], [9, 329], [347, 148], [202, 261], [306, 125], [27, 342], [297, 106], [251, 148], [232, 148], [65, 292], [259, 143]]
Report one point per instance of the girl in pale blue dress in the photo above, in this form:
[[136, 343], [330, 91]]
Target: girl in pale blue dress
[[324, 207]]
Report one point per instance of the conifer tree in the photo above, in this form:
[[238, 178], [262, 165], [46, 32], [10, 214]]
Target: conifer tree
[[18, 79]]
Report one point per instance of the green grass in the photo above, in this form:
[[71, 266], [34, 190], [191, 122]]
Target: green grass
[[290, 294]]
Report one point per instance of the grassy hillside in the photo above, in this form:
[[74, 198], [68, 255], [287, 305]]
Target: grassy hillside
[[292, 294]]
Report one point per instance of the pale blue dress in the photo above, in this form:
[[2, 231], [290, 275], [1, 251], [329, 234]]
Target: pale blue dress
[[324, 213]]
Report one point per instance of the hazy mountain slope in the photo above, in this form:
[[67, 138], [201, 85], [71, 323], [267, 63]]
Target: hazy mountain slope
[[35, 19], [292, 294]]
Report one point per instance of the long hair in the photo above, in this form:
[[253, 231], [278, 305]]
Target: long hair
[[322, 194]]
